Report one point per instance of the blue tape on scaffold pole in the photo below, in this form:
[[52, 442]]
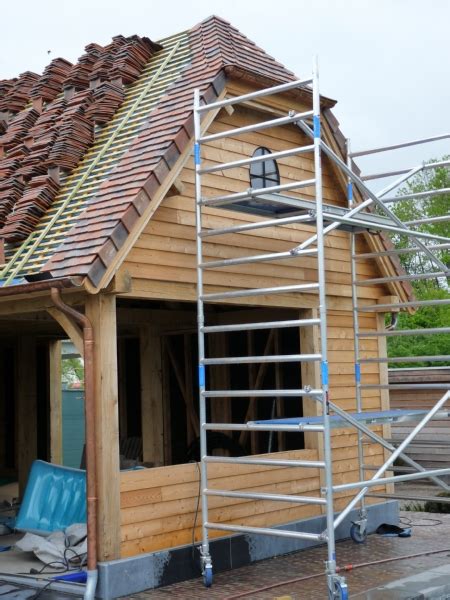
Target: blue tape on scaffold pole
[[350, 191], [197, 153], [324, 368], [316, 120], [201, 375], [358, 373]]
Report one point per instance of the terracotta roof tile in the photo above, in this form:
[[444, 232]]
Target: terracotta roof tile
[[113, 189]]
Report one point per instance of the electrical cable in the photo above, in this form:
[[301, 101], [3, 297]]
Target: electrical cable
[[346, 568], [430, 522], [42, 590]]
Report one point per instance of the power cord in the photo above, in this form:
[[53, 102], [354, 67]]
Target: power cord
[[42, 590], [429, 522]]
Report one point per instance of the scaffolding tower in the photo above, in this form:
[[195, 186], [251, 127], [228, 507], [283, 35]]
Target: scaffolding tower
[[367, 211]]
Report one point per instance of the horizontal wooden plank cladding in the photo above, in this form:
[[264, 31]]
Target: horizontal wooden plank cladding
[[165, 251], [158, 506]]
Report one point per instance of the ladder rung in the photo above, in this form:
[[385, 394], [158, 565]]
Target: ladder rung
[[396, 251], [406, 359], [257, 225], [256, 427], [408, 497], [251, 193], [277, 89], [412, 304], [404, 332], [267, 462], [276, 358], [383, 480], [401, 278], [257, 159], [401, 145], [439, 219], [266, 325], [292, 118], [260, 393], [285, 289], [264, 496], [255, 259], [417, 195], [266, 531], [406, 386]]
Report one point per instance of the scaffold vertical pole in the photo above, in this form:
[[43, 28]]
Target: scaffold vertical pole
[[205, 556], [335, 583], [358, 530]]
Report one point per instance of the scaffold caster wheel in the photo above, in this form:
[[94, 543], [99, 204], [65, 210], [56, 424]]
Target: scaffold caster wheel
[[340, 590], [208, 576], [358, 535]]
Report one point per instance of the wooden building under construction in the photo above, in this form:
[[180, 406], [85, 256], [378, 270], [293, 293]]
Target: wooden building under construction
[[109, 230]]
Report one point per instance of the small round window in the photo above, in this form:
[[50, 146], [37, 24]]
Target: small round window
[[265, 173]]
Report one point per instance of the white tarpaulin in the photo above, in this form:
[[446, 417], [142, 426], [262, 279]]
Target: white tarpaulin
[[61, 549]]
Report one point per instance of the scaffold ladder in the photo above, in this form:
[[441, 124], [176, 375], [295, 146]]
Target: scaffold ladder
[[370, 214]]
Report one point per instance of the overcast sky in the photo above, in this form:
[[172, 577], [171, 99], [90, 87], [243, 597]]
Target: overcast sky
[[387, 62]]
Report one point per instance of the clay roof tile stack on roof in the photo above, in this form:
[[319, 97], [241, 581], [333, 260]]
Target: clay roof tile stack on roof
[[79, 74], [107, 98], [18, 128], [16, 96], [30, 208], [50, 83], [99, 205], [130, 58], [60, 134]]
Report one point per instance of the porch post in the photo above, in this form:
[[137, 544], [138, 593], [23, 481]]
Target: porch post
[[101, 311], [151, 395], [26, 416], [55, 392]]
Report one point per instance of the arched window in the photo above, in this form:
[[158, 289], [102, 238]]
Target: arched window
[[265, 173]]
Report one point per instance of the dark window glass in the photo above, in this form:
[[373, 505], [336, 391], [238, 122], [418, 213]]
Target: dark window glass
[[265, 173]]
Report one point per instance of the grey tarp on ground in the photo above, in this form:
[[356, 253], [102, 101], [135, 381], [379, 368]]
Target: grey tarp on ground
[[59, 547]]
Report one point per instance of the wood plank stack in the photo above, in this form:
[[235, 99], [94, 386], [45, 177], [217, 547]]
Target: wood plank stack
[[30, 208]]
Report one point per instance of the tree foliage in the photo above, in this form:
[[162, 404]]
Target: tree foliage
[[72, 370], [415, 262]]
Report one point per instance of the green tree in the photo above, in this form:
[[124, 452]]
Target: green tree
[[415, 262], [72, 370]]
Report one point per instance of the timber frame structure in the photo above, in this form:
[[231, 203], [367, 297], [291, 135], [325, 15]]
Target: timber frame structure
[[277, 210], [139, 237]]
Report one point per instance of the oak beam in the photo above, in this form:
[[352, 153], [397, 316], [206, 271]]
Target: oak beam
[[101, 311], [26, 415], [72, 329], [55, 396], [151, 396]]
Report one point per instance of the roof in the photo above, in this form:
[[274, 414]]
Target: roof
[[88, 146]]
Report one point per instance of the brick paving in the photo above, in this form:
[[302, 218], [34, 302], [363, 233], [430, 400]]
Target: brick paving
[[427, 536]]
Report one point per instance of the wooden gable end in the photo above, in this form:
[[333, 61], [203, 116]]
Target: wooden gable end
[[162, 261]]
